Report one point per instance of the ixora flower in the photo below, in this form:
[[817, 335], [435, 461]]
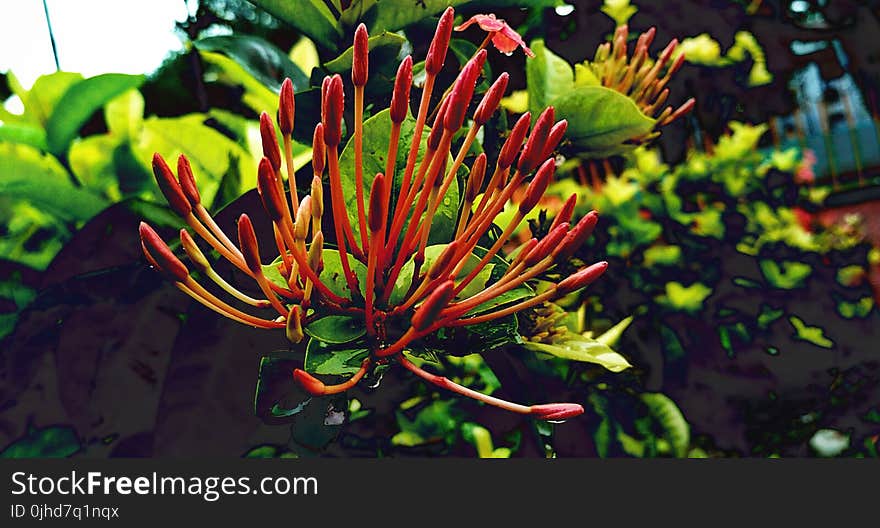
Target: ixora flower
[[640, 77], [381, 276], [503, 37]]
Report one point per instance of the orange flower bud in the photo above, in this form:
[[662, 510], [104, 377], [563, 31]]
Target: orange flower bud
[[475, 178], [286, 106], [193, 251], [577, 236], [463, 91], [161, 254], [311, 384], [426, 314], [316, 253], [247, 239], [439, 45], [442, 264], [267, 187], [360, 57], [187, 180], [293, 329], [333, 108], [546, 246], [565, 213], [317, 197], [170, 187], [581, 279], [514, 141], [377, 213], [531, 153], [553, 138], [538, 186], [400, 97], [491, 100], [556, 411], [270, 141], [319, 150]]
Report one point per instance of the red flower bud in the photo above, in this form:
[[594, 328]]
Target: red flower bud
[[247, 239], [581, 279], [333, 107], [267, 187], [319, 150], [442, 264], [437, 128], [556, 411], [187, 180], [426, 314], [553, 138], [193, 251], [270, 141], [377, 213], [400, 97], [440, 43], [170, 187], [565, 213], [514, 141], [475, 178], [286, 106], [577, 236], [538, 186], [547, 244], [491, 100], [463, 91], [162, 256], [325, 88], [531, 153], [311, 384], [360, 58]]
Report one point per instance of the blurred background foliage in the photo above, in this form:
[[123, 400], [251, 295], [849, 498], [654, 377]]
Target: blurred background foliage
[[741, 296]]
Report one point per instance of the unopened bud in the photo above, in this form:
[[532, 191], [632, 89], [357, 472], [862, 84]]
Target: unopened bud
[[538, 186], [270, 141], [463, 91], [267, 187], [334, 105], [581, 279], [316, 253], [553, 138], [286, 106], [400, 97], [577, 236], [319, 150], [514, 141], [317, 197], [303, 218], [161, 254], [192, 250], [439, 45], [531, 153], [360, 58], [443, 262], [293, 328], [491, 100], [546, 246], [556, 411], [170, 187], [475, 178], [565, 213], [426, 314], [187, 180], [377, 213], [247, 239]]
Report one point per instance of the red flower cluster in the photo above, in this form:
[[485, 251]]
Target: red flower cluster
[[388, 237]]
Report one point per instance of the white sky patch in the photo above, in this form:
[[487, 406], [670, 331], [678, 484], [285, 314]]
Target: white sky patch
[[92, 36]]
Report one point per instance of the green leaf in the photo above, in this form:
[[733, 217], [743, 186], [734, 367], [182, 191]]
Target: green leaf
[[612, 335], [326, 359], [377, 132], [40, 180], [334, 277], [91, 160], [392, 15], [24, 133], [258, 57], [662, 255], [549, 78], [685, 298], [437, 421], [579, 348], [124, 114], [57, 441], [811, 334], [80, 101], [601, 120], [671, 420], [256, 95], [336, 329], [40, 101], [786, 275], [310, 17]]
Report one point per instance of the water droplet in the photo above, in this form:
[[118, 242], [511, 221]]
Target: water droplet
[[556, 421]]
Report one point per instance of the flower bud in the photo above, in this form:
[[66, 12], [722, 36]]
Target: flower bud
[[286, 106], [187, 180], [270, 141], [426, 314], [553, 138], [377, 213], [316, 253], [192, 250], [161, 254], [581, 279], [514, 141], [319, 150], [556, 411], [293, 329], [531, 153], [400, 97], [303, 218], [334, 105], [360, 57], [442, 264], [325, 88], [546, 246], [247, 239], [437, 129], [565, 213], [576, 237], [439, 45], [475, 178], [538, 186], [463, 91], [170, 187], [267, 187], [491, 100], [317, 198], [311, 384]]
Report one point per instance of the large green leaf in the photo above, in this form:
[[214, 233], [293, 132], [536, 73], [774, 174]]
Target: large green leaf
[[334, 277], [124, 114], [256, 95], [24, 133], [259, 57], [40, 101], [377, 132], [601, 120], [549, 78], [579, 348], [80, 101], [40, 180], [392, 15], [336, 329], [339, 360], [310, 17]]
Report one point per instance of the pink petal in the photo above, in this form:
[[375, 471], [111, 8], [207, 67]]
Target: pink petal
[[486, 22], [511, 35]]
